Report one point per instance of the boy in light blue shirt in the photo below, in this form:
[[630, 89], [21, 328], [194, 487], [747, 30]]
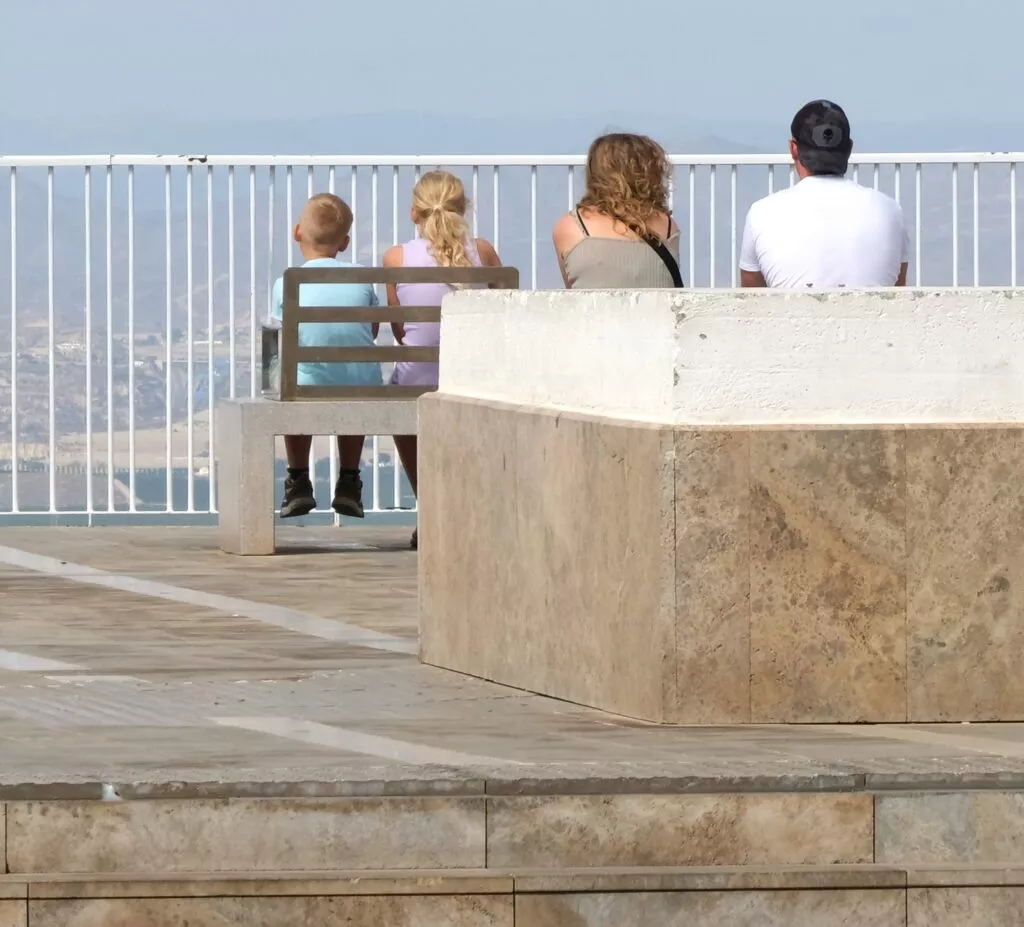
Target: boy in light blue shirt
[[322, 233]]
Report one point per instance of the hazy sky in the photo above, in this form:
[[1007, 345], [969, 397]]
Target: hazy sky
[[69, 62]]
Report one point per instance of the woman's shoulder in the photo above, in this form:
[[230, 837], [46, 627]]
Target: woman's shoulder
[[569, 222], [567, 232]]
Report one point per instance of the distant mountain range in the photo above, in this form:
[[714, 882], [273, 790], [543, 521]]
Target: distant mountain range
[[421, 132]]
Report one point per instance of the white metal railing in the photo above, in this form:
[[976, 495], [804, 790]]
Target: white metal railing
[[137, 284]]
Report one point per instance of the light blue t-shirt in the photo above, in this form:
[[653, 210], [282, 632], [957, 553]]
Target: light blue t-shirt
[[333, 334]]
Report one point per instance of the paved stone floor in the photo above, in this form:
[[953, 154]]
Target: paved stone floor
[[143, 657]]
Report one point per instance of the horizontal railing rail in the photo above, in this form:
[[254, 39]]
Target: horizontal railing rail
[[133, 288], [454, 160]]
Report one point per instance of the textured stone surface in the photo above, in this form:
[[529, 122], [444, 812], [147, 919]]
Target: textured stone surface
[[827, 570], [456, 911], [965, 907], [717, 878], [679, 830], [950, 827], [879, 908], [712, 585], [245, 835], [760, 355], [245, 480], [795, 564], [285, 883], [547, 564], [965, 582], [965, 874], [13, 914]]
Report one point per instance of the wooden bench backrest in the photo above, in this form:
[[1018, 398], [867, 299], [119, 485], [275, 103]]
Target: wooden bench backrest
[[294, 315]]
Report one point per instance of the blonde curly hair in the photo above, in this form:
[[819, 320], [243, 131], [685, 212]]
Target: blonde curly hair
[[628, 180], [439, 209]]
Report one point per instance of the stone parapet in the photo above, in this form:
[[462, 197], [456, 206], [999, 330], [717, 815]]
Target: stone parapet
[[667, 556]]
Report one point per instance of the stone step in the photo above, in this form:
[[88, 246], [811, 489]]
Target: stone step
[[538, 831], [879, 896]]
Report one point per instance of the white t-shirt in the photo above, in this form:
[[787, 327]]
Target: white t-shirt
[[826, 232]]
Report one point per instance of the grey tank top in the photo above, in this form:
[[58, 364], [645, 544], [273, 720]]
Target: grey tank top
[[597, 263]]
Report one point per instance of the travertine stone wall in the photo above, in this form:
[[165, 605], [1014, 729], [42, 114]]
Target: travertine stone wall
[[731, 506], [710, 575], [600, 853]]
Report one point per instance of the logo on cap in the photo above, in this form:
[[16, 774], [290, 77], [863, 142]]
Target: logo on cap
[[827, 136]]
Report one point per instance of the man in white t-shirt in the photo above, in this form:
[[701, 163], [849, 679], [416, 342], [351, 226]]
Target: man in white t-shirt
[[824, 231]]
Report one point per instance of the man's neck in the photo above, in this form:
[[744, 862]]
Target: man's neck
[[803, 174]]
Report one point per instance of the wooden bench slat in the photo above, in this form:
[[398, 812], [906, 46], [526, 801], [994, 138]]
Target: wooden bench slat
[[500, 277], [362, 392], [381, 314], [371, 355]]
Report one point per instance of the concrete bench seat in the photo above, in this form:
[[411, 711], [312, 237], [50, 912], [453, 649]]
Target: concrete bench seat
[[248, 428]]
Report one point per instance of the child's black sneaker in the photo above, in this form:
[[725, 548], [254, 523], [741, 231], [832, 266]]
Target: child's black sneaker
[[298, 496], [348, 495]]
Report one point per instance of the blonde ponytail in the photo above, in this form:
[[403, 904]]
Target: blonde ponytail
[[439, 208]]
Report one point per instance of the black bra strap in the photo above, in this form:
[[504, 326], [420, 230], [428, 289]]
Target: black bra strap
[[583, 225]]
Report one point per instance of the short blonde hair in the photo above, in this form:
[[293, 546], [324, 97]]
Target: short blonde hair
[[325, 221]]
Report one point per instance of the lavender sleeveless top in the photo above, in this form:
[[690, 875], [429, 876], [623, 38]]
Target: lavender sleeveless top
[[416, 253]]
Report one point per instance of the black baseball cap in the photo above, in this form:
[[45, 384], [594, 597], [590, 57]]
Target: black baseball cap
[[822, 135]]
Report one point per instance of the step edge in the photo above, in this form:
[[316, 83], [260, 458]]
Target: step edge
[[284, 883]]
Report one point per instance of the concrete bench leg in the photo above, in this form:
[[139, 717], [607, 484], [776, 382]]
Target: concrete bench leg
[[245, 483]]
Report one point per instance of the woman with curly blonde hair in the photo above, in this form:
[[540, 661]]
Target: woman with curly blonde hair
[[621, 234]]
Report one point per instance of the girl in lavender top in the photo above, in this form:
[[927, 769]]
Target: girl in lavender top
[[439, 207]]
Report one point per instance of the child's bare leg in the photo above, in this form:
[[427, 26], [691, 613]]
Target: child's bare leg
[[407, 453], [297, 448], [348, 493], [406, 447], [350, 451], [298, 490]]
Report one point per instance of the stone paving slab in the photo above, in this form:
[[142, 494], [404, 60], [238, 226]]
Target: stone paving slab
[[249, 835], [145, 658], [599, 897], [357, 910], [831, 908]]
